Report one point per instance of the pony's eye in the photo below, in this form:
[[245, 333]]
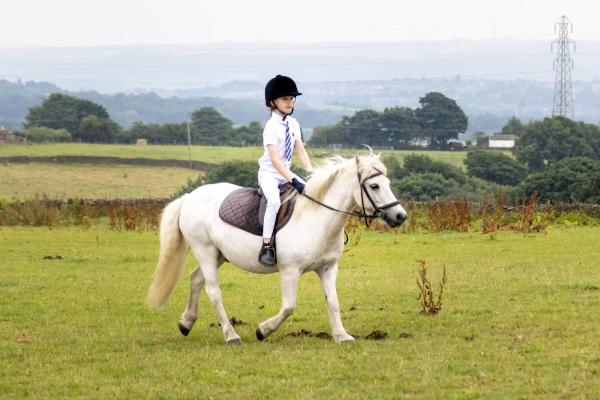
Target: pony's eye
[[374, 186]]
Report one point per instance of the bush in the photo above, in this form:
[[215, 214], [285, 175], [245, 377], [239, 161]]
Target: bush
[[554, 139], [394, 168], [414, 163], [423, 187], [42, 135], [495, 167], [574, 179]]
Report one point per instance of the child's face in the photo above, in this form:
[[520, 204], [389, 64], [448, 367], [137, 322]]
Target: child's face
[[285, 103]]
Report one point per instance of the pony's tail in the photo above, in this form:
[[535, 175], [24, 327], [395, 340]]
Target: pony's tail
[[173, 252]]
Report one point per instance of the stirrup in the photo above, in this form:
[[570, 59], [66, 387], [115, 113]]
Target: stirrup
[[267, 255]]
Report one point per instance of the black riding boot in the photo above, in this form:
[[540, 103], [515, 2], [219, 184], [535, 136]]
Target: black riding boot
[[267, 255]]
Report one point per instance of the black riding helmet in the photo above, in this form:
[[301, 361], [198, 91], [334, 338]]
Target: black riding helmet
[[280, 86]]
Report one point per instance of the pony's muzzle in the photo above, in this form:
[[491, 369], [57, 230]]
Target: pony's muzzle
[[395, 219]]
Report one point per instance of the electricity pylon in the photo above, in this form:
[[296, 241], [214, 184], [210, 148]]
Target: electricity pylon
[[563, 65]]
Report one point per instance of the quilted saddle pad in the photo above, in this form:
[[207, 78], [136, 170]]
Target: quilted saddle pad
[[244, 208]]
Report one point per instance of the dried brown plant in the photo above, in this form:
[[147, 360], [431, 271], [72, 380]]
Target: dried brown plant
[[429, 305]]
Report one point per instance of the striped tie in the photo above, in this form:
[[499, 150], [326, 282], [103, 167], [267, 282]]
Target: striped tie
[[288, 143]]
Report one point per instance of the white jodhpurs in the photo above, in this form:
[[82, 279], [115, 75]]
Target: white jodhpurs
[[269, 183]]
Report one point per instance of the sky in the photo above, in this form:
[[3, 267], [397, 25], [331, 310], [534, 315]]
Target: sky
[[126, 22]]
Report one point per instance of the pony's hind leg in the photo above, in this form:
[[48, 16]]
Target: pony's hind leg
[[210, 259], [190, 315]]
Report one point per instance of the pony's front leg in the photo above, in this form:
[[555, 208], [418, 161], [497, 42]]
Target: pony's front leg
[[190, 315], [289, 290], [328, 275]]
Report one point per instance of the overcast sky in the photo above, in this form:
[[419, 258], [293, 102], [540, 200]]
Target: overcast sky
[[109, 22]]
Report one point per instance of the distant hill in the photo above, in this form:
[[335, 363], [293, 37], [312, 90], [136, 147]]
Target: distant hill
[[490, 79], [16, 98], [488, 103]]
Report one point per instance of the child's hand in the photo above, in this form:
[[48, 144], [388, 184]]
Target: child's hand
[[299, 186]]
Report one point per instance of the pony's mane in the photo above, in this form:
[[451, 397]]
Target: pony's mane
[[330, 169]]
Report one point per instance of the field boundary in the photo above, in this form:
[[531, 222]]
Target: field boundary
[[66, 159]]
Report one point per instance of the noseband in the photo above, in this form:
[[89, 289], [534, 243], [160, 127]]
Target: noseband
[[378, 211]]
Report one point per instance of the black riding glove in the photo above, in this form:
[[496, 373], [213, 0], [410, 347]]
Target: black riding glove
[[299, 186]]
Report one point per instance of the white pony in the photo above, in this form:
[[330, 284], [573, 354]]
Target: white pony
[[312, 240]]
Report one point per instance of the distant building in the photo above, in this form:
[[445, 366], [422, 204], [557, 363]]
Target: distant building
[[501, 141]]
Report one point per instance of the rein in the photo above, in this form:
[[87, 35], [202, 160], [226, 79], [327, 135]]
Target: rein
[[378, 212]]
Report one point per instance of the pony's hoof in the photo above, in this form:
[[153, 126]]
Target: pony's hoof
[[184, 331], [347, 341], [259, 335], [235, 342]]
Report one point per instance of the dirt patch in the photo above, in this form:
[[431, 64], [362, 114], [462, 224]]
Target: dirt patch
[[233, 321], [405, 335], [376, 335], [22, 338], [55, 257], [304, 333]]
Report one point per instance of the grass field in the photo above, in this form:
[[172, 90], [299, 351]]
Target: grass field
[[519, 320], [90, 181], [125, 181], [209, 154]]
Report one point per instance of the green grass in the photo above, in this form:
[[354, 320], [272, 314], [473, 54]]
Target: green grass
[[519, 320], [90, 181], [209, 154]]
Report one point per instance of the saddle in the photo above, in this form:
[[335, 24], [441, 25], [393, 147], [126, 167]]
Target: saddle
[[244, 208]]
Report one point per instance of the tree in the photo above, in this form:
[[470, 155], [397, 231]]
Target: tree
[[209, 127], [250, 135], [364, 127], [93, 129], [553, 139], [60, 111], [495, 167], [481, 139], [440, 119], [574, 179], [175, 133], [399, 125], [514, 126]]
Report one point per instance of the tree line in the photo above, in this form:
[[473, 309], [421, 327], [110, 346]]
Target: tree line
[[436, 121], [64, 118], [557, 158]]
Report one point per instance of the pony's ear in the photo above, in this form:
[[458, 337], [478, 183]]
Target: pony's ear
[[357, 160]]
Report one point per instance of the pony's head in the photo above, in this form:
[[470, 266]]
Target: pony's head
[[373, 194], [371, 191]]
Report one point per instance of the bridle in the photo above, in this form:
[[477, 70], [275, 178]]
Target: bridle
[[378, 212]]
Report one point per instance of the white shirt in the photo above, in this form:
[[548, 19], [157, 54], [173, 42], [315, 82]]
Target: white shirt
[[274, 133]]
